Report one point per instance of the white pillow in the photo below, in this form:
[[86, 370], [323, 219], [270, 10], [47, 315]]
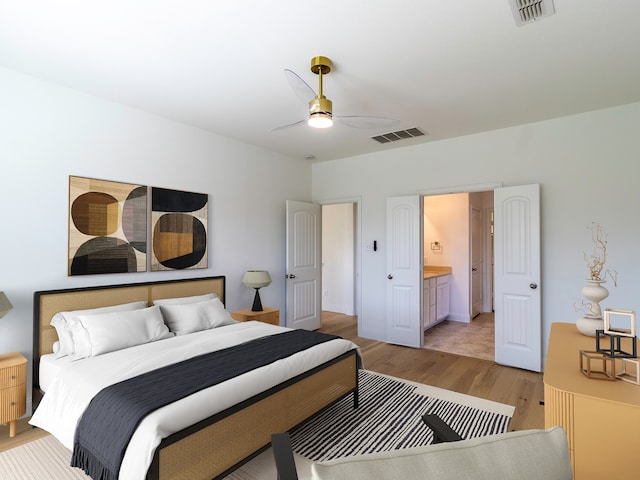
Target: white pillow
[[185, 300], [117, 330], [65, 339], [64, 323], [193, 317]]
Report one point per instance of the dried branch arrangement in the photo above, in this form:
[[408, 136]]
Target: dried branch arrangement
[[597, 259], [587, 308]]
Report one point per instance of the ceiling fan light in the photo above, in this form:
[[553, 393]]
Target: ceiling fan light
[[320, 120], [320, 112]]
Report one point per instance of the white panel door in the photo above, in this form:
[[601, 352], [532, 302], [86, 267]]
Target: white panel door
[[518, 326], [304, 273], [404, 271]]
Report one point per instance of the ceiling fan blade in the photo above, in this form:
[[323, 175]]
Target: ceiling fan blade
[[295, 124], [359, 121], [301, 88]]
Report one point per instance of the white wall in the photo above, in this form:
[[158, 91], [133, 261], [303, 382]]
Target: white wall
[[48, 133], [338, 260], [588, 166]]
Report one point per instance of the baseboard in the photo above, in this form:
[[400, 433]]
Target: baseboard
[[338, 309], [458, 317]]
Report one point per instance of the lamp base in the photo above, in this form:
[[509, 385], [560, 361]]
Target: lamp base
[[257, 304]]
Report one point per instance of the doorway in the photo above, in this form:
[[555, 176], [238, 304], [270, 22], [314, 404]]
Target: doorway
[[457, 236], [518, 322], [339, 258]]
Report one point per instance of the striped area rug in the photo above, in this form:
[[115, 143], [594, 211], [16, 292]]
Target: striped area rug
[[388, 418]]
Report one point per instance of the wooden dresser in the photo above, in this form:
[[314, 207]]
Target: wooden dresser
[[601, 417], [13, 389]]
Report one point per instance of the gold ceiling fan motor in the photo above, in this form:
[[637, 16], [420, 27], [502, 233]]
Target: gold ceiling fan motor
[[320, 107]]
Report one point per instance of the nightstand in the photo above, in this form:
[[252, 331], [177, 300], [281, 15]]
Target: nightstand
[[267, 315], [13, 389]]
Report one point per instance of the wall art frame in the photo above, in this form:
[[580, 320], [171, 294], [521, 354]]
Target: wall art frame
[[179, 230], [107, 227]]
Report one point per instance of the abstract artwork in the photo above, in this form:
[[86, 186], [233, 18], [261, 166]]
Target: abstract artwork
[[178, 229], [107, 227]]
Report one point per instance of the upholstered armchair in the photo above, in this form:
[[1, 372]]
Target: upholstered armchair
[[523, 455]]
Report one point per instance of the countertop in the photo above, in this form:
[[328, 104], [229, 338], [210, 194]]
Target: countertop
[[435, 271]]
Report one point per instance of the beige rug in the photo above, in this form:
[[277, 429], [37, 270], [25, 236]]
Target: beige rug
[[47, 459], [42, 459]]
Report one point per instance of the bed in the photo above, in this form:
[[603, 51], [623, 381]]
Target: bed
[[216, 444]]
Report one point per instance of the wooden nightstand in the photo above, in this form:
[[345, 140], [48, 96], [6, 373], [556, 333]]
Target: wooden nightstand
[[267, 315], [13, 389]]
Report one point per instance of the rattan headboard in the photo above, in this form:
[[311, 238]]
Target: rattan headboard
[[47, 303]]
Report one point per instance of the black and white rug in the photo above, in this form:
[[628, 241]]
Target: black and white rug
[[388, 418]]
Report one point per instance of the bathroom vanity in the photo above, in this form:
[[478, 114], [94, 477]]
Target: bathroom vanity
[[435, 295]]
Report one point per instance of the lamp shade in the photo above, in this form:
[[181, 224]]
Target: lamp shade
[[256, 279], [320, 109], [5, 305], [320, 120]]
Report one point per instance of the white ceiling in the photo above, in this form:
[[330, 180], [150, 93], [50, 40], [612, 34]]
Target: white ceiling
[[449, 67]]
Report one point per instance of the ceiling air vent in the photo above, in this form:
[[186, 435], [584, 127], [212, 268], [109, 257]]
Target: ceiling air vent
[[399, 135], [526, 11]]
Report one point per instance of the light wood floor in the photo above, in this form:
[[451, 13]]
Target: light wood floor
[[481, 378], [463, 374]]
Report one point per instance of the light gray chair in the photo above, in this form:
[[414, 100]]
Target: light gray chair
[[523, 455]]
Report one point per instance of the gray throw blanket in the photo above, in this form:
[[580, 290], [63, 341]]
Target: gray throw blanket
[[105, 428]]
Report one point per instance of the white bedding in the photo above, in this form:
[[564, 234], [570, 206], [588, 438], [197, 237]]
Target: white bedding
[[50, 368], [70, 392]]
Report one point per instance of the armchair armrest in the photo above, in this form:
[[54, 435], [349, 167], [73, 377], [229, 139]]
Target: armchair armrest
[[283, 455], [441, 431]]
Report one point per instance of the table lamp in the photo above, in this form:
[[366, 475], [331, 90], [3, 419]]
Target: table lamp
[[256, 279], [5, 305]]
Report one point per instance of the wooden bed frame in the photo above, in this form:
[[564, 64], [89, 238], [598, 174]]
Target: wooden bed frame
[[219, 444]]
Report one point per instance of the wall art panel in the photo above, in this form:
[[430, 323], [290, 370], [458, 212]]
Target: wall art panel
[[107, 227], [178, 229]]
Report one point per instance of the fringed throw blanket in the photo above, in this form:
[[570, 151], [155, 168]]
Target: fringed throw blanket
[[105, 428]]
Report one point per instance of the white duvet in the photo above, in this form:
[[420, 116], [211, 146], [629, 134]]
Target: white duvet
[[71, 391]]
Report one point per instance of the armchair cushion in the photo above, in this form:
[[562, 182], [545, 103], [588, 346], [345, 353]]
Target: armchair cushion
[[527, 454]]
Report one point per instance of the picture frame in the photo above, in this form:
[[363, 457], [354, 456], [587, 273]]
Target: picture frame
[[107, 227], [179, 229]]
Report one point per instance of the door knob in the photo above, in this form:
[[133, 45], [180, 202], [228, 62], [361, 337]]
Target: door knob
[[533, 286], [390, 277], [474, 269], [290, 276]]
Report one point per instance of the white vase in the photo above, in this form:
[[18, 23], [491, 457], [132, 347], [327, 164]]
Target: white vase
[[588, 325], [592, 320], [595, 293]]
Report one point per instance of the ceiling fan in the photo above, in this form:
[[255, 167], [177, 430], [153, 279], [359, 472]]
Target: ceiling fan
[[321, 108]]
